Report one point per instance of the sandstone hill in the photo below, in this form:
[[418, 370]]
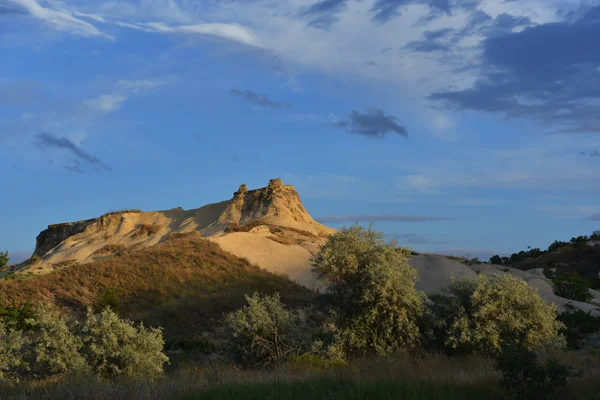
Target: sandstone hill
[[268, 226]]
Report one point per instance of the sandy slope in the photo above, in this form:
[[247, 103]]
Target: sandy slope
[[291, 260]]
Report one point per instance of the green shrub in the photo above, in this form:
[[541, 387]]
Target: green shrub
[[4, 259], [573, 287], [264, 331], [114, 347], [577, 325], [504, 310], [11, 344], [372, 291], [525, 378], [17, 315], [109, 298], [53, 348]]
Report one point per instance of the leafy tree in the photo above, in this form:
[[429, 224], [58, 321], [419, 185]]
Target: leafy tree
[[4, 259], [372, 292], [573, 287], [114, 347], [496, 260], [264, 330], [504, 310]]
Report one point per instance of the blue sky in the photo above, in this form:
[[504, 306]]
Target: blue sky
[[456, 126]]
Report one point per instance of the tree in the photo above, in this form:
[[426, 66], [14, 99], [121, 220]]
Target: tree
[[573, 287], [264, 330], [372, 291], [504, 310], [496, 260], [4, 259]]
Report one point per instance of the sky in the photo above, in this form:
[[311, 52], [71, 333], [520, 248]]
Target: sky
[[466, 127]]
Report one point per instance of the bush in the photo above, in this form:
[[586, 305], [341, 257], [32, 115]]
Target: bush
[[109, 298], [114, 347], [53, 348], [47, 346], [494, 312], [525, 378], [372, 291], [264, 331], [4, 259], [578, 324], [11, 343], [17, 315], [573, 287]]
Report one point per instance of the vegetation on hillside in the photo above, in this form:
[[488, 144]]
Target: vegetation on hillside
[[3, 259], [371, 290], [577, 242], [103, 345], [370, 334]]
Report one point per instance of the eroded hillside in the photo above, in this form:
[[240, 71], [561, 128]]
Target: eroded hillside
[[269, 226]]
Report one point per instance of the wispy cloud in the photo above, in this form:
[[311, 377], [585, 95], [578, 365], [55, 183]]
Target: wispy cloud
[[106, 103], [414, 238], [323, 14], [257, 99], [594, 217], [381, 218], [591, 153], [46, 140], [60, 19], [233, 32], [373, 123]]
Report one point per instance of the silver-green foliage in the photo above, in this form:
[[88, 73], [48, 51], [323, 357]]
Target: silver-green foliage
[[372, 290], [52, 348], [504, 310], [11, 343], [104, 345], [114, 347], [264, 331]]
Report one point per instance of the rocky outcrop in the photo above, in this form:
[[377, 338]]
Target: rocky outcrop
[[55, 234], [274, 205]]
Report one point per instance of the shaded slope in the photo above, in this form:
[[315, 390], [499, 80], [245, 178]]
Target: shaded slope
[[184, 284]]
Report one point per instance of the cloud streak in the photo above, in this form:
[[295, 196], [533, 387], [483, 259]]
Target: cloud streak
[[60, 19], [382, 218], [257, 99], [323, 14], [373, 123], [46, 140]]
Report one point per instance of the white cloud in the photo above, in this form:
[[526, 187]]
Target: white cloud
[[61, 19], [105, 103], [233, 32]]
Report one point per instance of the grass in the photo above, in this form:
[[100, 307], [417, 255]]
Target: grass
[[341, 389], [123, 211], [146, 229], [109, 249]]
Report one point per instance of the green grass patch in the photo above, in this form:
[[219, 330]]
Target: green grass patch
[[343, 389]]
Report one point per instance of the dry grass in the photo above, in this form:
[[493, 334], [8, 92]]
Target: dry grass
[[123, 211], [184, 285], [146, 229], [109, 249]]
